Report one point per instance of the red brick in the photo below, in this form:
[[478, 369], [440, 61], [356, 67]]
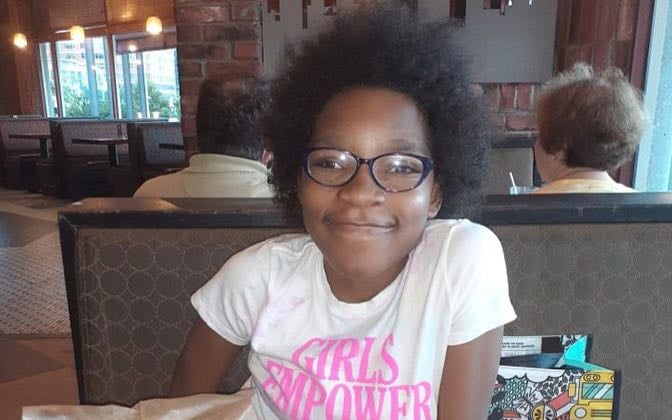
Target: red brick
[[188, 68], [247, 50], [188, 103], [202, 14], [606, 29], [190, 87], [191, 51], [524, 97], [245, 10], [627, 20], [602, 55], [189, 33], [213, 52], [243, 68], [507, 97], [521, 122], [232, 32]]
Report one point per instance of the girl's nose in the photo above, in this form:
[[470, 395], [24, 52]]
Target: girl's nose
[[362, 190]]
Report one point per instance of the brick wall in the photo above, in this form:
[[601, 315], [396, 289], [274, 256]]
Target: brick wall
[[598, 32], [513, 105], [214, 38], [224, 38]]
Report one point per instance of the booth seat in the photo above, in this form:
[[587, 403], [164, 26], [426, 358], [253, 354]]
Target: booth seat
[[18, 157], [599, 264], [147, 158]]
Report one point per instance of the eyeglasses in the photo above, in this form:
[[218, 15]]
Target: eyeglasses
[[393, 172]]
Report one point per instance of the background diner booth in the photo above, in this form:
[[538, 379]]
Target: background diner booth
[[95, 285]]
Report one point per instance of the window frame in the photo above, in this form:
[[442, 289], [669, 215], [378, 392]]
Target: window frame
[[111, 68]]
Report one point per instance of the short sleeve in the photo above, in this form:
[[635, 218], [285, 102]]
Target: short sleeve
[[230, 303], [479, 296]]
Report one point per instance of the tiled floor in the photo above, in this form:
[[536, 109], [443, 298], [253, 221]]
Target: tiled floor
[[36, 360]]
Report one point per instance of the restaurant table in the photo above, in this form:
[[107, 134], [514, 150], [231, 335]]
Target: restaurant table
[[111, 144], [171, 146], [43, 138]]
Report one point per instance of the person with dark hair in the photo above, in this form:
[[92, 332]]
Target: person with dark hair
[[589, 124], [379, 310], [232, 159]]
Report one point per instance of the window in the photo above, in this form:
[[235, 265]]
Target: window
[[147, 84], [84, 78], [654, 158], [77, 77], [48, 85]]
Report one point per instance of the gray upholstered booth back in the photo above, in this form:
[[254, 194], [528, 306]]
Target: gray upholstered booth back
[[603, 269]]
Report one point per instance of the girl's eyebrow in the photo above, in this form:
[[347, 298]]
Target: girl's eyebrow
[[398, 145], [404, 145]]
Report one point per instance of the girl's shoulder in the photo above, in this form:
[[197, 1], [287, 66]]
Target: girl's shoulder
[[288, 245], [452, 230], [458, 238]]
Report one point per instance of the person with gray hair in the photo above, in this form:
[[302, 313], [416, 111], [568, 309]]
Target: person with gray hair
[[589, 124]]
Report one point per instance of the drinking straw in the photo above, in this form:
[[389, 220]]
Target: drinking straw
[[513, 183]]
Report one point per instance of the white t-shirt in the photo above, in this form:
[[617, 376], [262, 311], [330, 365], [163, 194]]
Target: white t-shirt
[[313, 356]]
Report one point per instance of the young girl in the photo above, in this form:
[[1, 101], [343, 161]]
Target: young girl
[[379, 311]]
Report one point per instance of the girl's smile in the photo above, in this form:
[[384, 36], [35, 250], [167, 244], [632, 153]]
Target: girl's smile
[[364, 232]]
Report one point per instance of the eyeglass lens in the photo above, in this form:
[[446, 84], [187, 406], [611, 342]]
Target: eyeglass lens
[[394, 172]]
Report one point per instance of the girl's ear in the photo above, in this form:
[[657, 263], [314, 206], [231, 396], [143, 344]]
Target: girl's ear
[[435, 201]]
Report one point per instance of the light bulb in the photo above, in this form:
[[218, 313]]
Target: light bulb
[[77, 33], [510, 2], [132, 47], [20, 40], [154, 25]]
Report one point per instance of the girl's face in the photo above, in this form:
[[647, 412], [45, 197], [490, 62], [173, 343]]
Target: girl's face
[[364, 232]]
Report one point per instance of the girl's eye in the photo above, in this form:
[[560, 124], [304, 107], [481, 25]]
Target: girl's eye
[[403, 169], [327, 164]]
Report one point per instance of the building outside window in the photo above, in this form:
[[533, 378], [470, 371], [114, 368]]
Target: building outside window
[[145, 70], [84, 78], [147, 83]]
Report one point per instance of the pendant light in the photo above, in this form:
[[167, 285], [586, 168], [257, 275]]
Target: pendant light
[[154, 25], [20, 40], [77, 33]]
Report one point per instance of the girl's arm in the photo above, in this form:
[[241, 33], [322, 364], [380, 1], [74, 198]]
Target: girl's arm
[[205, 359], [469, 374]]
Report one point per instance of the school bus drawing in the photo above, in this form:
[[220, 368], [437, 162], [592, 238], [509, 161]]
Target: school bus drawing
[[588, 398], [594, 396]]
